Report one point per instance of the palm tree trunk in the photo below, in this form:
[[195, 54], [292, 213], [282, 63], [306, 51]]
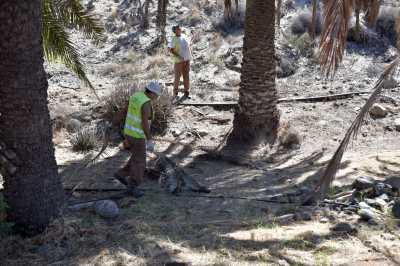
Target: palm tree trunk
[[145, 18], [257, 114], [33, 190], [162, 18]]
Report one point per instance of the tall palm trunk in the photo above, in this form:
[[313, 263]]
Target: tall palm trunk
[[162, 18], [33, 190], [257, 114]]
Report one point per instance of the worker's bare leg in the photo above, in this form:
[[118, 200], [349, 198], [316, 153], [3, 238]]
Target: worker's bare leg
[[178, 74], [186, 80]]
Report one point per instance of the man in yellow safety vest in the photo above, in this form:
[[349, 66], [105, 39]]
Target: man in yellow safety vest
[[179, 46], [138, 136]]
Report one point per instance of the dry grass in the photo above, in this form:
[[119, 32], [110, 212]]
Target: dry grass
[[84, 140], [288, 137], [116, 104]]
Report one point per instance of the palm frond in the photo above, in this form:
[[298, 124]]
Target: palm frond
[[57, 45], [74, 15], [337, 14], [334, 164], [372, 11]]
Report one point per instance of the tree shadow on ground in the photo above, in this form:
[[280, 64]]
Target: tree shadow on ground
[[161, 222]]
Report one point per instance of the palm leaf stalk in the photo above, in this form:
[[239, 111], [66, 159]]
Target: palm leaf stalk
[[337, 15], [58, 15], [352, 132]]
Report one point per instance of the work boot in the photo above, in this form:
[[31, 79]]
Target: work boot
[[121, 179], [135, 192], [186, 95]]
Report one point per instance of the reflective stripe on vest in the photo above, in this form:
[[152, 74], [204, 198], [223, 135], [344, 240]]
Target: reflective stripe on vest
[[177, 48], [133, 123]]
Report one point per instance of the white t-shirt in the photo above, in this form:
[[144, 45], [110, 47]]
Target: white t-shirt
[[184, 45]]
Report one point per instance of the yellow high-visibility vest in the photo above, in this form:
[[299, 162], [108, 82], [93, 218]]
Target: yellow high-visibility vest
[[133, 122]]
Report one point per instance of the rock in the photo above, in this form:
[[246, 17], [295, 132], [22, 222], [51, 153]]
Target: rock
[[73, 125], [384, 197], [378, 111], [364, 205], [363, 182], [307, 216], [344, 228], [397, 124], [377, 203], [382, 188], [396, 209], [285, 68], [394, 181], [324, 220], [367, 214], [106, 208]]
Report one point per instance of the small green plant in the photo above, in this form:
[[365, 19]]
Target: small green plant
[[217, 61], [84, 140], [303, 44]]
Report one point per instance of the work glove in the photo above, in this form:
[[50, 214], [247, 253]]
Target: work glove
[[150, 145]]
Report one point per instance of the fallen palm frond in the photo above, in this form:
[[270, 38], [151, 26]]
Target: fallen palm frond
[[337, 14], [352, 132]]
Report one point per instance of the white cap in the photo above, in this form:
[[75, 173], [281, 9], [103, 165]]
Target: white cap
[[154, 87]]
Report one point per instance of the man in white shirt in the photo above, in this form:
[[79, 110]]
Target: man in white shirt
[[179, 46]]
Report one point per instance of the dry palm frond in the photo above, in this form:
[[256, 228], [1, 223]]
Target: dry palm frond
[[352, 132], [371, 9], [397, 28], [278, 13], [313, 19], [337, 15]]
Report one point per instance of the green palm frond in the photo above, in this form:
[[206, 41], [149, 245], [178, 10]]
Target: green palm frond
[[57, 45], [74, 15]]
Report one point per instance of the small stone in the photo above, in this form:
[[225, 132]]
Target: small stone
[[364, 205], [344, 228], [106, 208], [378, 111], [73, 125], [396, 209], [384, 197], [394, 181], [363, 182], [382, 188], [397, 124], [306, 216], [324, 220], [367, 214]]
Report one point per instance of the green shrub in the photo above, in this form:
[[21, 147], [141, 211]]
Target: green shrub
[[303, 44]]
